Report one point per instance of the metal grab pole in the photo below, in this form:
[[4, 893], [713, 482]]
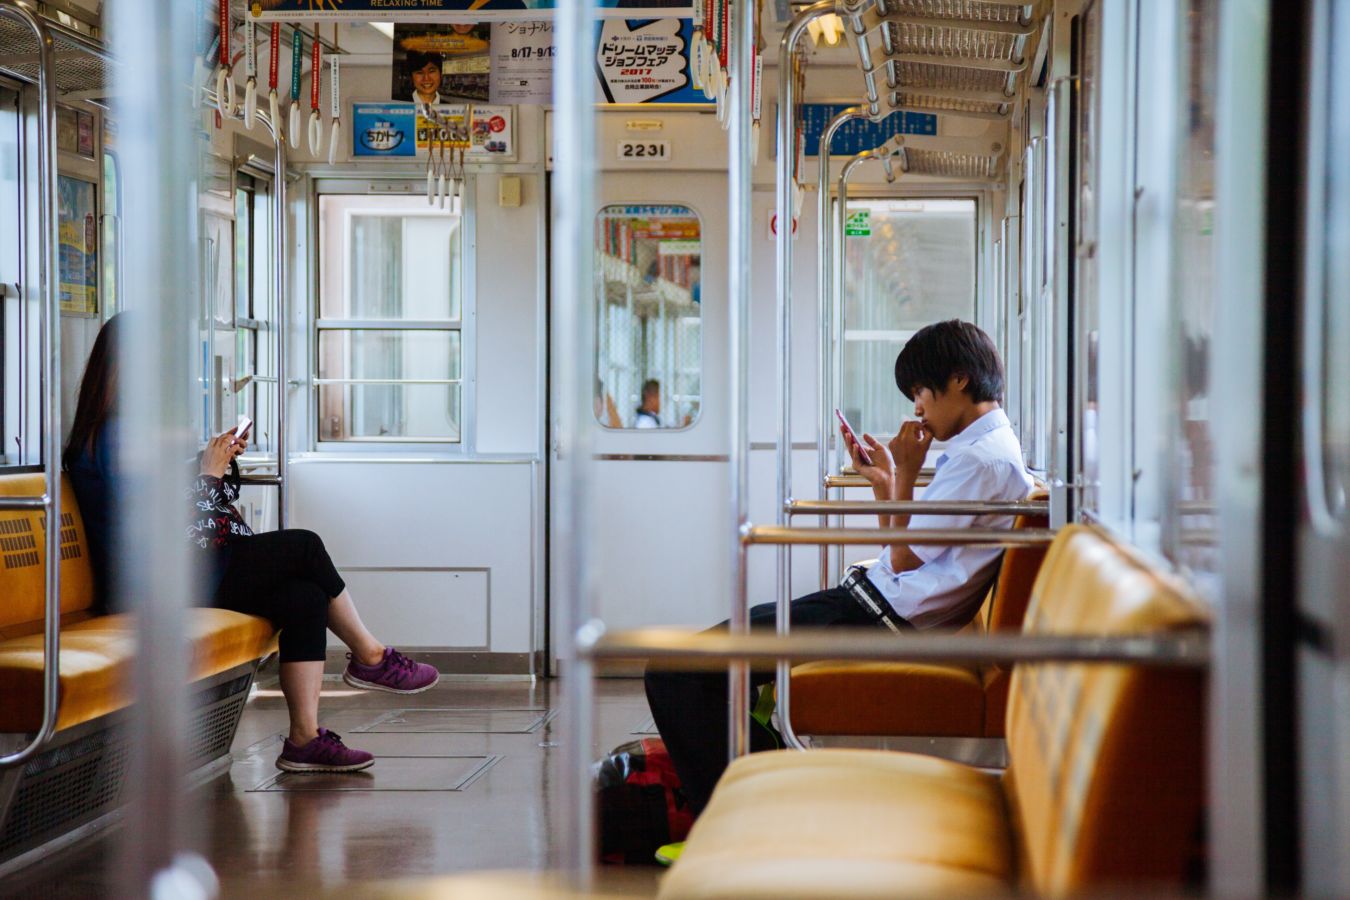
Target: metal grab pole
[[824, 425], [783, 536], [919, 507], [787, 154], [1183, 648], [281, 319], [49, 328], [574, 304], [741, 178]]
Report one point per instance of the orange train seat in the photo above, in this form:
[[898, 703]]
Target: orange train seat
[[1103, 791], [97, 652], [923, 699]]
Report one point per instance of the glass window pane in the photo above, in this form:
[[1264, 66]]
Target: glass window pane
[[112, 211], [649, 366], [426, 412], [398, 267], [386, 354], [908, 263], [243, 248]]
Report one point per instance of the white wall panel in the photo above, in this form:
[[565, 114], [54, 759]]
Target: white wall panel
[[427, 515], [445, 610]]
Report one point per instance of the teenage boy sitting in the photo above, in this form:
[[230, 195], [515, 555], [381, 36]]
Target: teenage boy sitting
[[953, 374]]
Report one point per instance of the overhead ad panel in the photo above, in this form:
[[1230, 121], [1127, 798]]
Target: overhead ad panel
[[452, 10]]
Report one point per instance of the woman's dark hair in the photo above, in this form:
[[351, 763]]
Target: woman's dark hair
[[98, 390], [945, 350]]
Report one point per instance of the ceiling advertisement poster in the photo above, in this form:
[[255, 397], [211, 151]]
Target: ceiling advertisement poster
[[396, 130], [441, 63], [441, 10], [637, 61]]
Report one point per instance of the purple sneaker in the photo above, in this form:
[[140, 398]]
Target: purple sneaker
[[395, 674], [326, 753]]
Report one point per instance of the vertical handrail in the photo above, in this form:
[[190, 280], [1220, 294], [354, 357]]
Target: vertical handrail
[[282, 326], [824, 424], [49, 328], [787, 154], [153, 103], [574, 304], [741, 180]]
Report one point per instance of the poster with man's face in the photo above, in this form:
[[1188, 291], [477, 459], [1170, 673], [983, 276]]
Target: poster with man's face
[[441, 63]]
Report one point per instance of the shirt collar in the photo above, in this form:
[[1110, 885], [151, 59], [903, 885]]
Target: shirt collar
[[990, 421]]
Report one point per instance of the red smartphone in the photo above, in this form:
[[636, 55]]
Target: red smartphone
[[848, 430]]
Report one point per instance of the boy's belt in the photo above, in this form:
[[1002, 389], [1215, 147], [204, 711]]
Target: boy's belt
[[872, 600]]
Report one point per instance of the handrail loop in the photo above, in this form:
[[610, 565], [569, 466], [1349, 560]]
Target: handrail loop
[[49, 326]]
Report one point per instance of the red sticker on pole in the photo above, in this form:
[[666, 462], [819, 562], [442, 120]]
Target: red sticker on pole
[[315, 71]]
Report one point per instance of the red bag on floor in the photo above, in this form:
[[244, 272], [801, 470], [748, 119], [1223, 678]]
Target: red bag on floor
[[640, 802]]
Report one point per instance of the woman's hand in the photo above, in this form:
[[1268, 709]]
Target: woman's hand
[[220, 452], [881, 472], [910, 449]]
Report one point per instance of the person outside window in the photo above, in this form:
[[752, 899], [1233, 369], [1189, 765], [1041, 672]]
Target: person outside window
[[649, 413], [952, 373]]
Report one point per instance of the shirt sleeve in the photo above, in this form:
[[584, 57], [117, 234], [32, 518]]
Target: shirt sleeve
[[963, 477]]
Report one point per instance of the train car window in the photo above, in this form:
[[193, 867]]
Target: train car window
[[1086, 377], [390, 348], [1189, 525], [908, 263], [649, 355], [110, 252], [255, 358], [10, 268]]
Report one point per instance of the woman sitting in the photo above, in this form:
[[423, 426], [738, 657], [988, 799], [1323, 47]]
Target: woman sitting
[[283, 576]]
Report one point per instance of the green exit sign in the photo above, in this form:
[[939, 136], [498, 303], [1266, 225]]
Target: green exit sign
[[859, 224]]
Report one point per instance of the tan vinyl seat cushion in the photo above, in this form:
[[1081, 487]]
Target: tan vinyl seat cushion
[[855, 823], [98, 660]]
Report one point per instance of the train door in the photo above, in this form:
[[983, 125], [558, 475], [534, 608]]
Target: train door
[[1324, 582], [661, 436]]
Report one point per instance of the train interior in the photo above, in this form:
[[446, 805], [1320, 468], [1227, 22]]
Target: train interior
[[543, 316]]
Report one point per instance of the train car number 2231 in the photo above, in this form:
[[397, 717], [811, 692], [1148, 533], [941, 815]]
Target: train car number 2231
[[644, 151]]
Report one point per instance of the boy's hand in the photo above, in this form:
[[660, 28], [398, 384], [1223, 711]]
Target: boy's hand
[[910, 448], [881, 472]]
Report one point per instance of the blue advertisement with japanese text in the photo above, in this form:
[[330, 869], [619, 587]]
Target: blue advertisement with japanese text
[[384, 129]]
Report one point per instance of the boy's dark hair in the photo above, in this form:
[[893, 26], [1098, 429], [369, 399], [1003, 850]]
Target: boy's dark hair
[[417, 59], [651, 386], [944, 350]]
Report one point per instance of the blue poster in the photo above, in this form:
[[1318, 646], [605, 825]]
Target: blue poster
[[854, 137], [447, 10], [383, 129]]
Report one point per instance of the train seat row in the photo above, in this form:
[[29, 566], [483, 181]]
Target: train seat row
[[923, 699], [1103, 788], [96, 686]]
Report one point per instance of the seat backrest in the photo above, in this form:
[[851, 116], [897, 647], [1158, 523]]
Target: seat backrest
[[23, 557], [1105, 783], [1007, 602]]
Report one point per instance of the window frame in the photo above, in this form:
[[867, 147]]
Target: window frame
[[465, 325]]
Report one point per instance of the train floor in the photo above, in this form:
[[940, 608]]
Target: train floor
[[461, 783]]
